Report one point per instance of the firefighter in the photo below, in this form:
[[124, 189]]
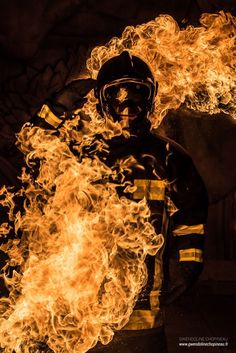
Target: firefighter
[[175, 193], [125, 90]]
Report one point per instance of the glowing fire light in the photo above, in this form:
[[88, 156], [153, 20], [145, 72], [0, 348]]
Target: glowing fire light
[[79, 264], [81, 254], [195, 66]]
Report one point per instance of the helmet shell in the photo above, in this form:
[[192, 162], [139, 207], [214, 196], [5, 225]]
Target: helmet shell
[[124, 65], [120, 67]]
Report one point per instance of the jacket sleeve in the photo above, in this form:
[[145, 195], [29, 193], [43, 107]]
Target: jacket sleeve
[[188, 193], [62, 105]]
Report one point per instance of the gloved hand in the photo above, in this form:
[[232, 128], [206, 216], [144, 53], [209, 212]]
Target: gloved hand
[[188, 273], [70, 97]]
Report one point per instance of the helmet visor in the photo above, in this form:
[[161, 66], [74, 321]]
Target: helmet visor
[[127, 98]]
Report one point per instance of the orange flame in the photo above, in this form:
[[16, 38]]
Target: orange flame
[[195, 66], [81, 253]]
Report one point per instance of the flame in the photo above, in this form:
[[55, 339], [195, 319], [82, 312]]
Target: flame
[[81, 254], [195, 66], [75, 272]]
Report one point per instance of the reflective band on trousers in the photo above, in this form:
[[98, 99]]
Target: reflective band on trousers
[[46, 114], [191, 255], [151, 189], [144, 319], [185, 230]]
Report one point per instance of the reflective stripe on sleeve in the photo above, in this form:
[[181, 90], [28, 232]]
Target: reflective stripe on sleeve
[[191, 255], [151, 189], [185, 230], [46, 114]]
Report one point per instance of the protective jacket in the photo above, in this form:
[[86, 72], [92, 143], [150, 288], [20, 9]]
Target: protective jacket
[[177, 200]]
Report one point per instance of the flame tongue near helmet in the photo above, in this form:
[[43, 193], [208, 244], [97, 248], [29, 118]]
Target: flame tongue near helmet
[[195, 66]]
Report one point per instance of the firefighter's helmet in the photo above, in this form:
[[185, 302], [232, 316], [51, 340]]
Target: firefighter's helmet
[[125, 87]]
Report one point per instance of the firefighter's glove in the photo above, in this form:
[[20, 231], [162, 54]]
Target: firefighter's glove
[[71, 97]]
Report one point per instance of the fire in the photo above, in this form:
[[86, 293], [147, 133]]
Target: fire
[[195, 66], [81, 254], [79, 263]]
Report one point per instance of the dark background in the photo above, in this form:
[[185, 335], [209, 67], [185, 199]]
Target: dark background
[[44, 45]]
